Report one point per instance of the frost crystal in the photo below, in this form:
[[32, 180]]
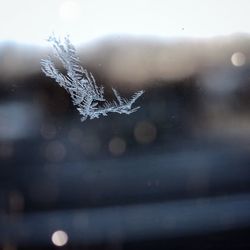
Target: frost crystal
[[81, 85]]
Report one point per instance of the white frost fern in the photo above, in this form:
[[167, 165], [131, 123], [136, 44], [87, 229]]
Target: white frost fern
[[81, 85]]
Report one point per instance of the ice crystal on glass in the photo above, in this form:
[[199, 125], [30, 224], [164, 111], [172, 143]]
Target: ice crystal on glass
[[86, 95]]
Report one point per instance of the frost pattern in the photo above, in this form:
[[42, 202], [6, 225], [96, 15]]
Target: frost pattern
[[81, 84]]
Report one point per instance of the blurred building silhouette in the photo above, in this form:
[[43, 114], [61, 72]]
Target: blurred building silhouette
[[176, 169]]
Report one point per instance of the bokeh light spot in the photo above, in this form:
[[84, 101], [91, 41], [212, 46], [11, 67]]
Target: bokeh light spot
[[145, 132], [238, 59], [59, 238], [117, 146]]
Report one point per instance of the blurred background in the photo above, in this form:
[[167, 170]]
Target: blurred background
[[173, 175]]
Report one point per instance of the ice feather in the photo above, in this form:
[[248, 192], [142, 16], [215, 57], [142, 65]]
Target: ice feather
[[81, 84]]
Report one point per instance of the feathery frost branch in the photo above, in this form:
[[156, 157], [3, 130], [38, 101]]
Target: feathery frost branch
[[81, 85]]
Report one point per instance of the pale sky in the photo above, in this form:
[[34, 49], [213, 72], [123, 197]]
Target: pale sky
[[32, 21]]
